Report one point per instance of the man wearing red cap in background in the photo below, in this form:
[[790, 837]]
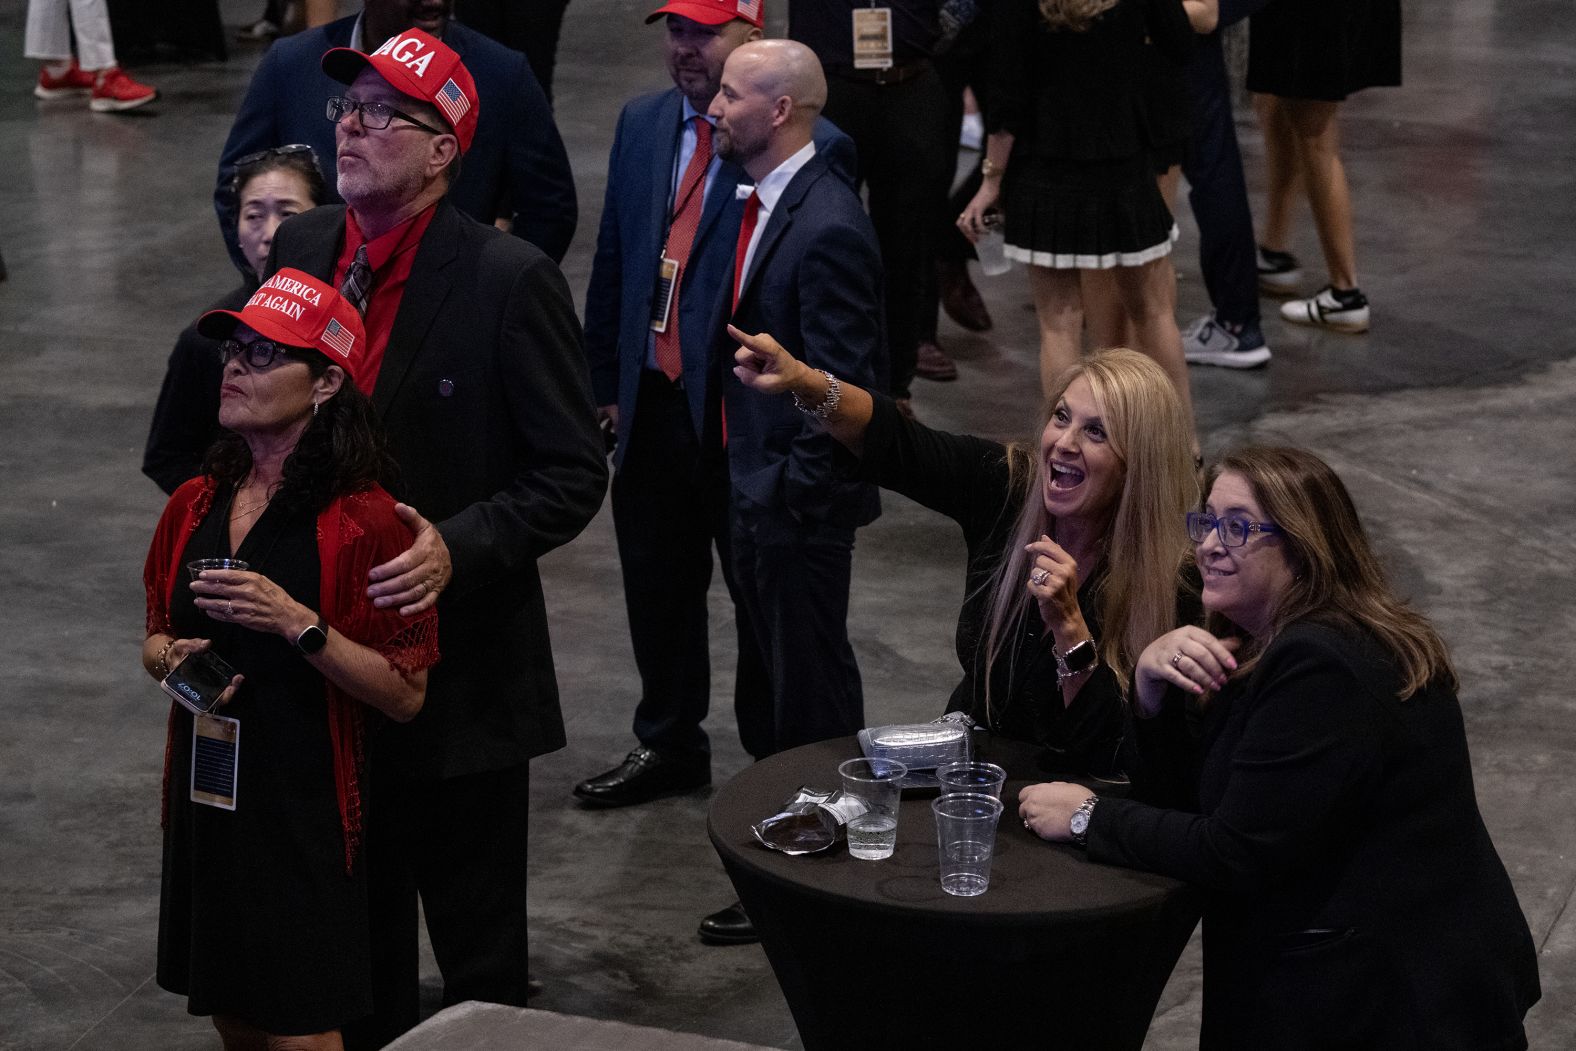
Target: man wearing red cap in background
[[475, 367]]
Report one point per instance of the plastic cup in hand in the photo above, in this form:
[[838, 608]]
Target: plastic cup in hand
[[986, 778], [966, 839], [991, 248], [877, 784], [196, 566]]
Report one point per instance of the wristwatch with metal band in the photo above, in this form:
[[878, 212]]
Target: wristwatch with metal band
[[1077, 659], [1079, 825]]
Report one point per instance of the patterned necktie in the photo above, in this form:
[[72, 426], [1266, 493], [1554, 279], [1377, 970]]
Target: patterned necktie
[[681, 236], [752, 212], [358, 281]]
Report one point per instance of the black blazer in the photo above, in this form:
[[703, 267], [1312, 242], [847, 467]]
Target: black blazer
[[484, 395], [814, 284], [1355, 899]]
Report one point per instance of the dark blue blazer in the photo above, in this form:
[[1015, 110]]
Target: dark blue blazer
[[624, 272], [516, 164], [815, 283]]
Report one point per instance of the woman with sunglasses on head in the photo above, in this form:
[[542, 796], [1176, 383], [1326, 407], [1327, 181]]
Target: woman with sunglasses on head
[[1305, 765], [263, 918], [1074, 562], [269, 188]]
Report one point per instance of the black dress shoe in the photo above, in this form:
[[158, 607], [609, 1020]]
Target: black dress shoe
[[960, 299], [728, 926], [645, 774]]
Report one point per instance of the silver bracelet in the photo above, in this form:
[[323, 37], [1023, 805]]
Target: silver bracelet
[[834, 394]]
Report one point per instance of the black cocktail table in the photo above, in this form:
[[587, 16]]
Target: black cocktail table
[[1059, 952]]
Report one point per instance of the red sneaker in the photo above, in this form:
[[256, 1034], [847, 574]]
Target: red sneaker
[[114, 91], [74, 81]]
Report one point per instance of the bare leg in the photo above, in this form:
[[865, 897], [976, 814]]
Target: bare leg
[[1149, 294], [1280, 161], [1104, 313], [1059, 306], [237, 1035], [329, 1041], [1316, 136]]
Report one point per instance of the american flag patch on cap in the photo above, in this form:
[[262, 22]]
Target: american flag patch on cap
[[750, 9], [338, 337], [453, 101]]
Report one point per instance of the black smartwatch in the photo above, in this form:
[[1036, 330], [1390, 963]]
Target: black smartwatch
[[311, 641], [1077, 660]]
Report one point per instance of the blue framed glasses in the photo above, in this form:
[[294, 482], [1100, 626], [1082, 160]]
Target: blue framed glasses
[[1233, 530]]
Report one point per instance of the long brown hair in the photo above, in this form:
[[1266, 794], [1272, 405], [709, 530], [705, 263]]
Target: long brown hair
[[1073, 15], [1147, 546], [1335, 571]]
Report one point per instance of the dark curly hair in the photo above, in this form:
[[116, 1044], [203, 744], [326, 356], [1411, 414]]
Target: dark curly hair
[[341, 451]]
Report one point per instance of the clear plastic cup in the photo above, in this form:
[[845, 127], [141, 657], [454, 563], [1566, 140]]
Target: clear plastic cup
[[991, 248], [877, 784], [986, 778], [196, 566], [966, 840]]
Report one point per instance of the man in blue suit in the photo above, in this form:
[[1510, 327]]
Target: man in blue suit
[[671, 202], [807, 270], [516, 167], [665, 185]]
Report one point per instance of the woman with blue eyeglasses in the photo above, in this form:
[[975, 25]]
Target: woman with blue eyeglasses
[[1305, 765]]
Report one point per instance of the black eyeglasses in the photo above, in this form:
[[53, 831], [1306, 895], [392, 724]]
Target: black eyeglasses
[[1233, 530], [260, 353], [375, 116]]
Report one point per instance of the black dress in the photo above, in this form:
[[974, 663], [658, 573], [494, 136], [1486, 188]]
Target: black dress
[[966, 479], [1079, 191], [1324, 49], [258, 919]]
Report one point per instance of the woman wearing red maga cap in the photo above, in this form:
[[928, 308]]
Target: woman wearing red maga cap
[[263, 914]]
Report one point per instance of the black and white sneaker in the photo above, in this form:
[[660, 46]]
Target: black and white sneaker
[[1344, 310], [1209, 341], [1279, 273]]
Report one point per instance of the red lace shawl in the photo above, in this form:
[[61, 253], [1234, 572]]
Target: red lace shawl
[[354, 533]]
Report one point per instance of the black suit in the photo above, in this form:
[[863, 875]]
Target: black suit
[[484, 395], [814, 283], [1355, 899]]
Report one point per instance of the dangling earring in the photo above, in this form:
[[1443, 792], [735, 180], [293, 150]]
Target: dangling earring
[[314, 407]]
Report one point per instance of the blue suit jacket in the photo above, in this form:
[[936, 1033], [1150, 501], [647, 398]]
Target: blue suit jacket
[[624, 271], [516, 164], [815, 284]]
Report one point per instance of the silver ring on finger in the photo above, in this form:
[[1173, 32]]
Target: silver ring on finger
[[1027, 826], [1176, 659], [229, 609], [1040, 576], [421, 587]]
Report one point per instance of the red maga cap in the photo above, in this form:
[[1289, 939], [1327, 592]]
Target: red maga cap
[[298, 310], [714, 12], [423, 67]]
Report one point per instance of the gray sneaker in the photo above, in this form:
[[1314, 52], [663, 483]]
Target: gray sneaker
[[1208, 342]]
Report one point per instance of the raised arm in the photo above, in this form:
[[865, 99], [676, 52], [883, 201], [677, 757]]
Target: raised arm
[[764, 366]]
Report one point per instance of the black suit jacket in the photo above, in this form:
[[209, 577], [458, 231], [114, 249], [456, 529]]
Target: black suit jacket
[[815, 285], [1355, 899], [484, 395]]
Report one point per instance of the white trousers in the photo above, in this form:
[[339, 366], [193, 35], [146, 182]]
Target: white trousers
[[49, 32]]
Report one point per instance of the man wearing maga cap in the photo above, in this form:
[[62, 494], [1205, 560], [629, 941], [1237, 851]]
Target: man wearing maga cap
[[476, 368], [516, 167]]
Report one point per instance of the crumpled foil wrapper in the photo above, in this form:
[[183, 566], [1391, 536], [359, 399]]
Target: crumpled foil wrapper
[[810, 821]]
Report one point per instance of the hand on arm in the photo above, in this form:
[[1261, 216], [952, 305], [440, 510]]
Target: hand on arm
[[253, 601], [763, 365], [1188, 657], [414, 579]]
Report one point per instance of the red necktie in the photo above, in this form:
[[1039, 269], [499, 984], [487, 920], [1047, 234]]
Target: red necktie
[[752, 211], [681, 235]]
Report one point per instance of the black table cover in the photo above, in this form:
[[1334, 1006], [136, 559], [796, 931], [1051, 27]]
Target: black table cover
[[1059, 952]]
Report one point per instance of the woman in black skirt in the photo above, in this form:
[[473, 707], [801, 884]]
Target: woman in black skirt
[[1069, 162], [263, 913], [1305, 57]]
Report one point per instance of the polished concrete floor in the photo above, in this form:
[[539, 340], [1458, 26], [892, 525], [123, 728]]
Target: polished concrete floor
[[1453, 422]]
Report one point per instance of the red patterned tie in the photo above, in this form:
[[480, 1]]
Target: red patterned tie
[[681, 235], [752, 212]]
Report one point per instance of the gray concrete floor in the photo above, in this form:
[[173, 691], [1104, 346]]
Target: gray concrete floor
[[1452, 422]]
